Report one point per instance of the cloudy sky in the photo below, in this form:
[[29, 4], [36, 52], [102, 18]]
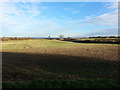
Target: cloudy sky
[[72, 19]]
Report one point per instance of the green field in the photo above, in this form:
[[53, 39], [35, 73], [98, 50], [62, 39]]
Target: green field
[[53, 62], [36, 43]]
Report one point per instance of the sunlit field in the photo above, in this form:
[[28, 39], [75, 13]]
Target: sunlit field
[[56, 44], [52, 62]]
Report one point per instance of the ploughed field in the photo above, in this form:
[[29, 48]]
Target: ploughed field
[[42, 59]]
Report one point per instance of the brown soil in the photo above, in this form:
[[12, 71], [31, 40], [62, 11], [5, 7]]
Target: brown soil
[[61, 63]]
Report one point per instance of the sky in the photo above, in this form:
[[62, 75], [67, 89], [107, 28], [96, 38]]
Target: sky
[[72, 19]]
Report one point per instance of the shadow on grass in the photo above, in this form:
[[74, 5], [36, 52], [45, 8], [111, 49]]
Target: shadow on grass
[[90, 41], [94, 83], [26, 66]]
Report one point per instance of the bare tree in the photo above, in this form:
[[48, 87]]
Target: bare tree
[[49, 37], [61, 36]]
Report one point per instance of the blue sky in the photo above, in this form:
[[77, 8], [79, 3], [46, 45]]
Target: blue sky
[[72, 19]]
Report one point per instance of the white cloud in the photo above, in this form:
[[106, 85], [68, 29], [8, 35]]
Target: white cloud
[[72, 10], [21, 0], [21, 9], [105, 32], [105, 19], [22, 21], [112, 5], [76, 12], [68, 9], [60, 0]]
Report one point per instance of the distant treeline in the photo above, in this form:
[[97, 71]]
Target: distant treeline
[[105, 37], [14, 38], [71, 38], [115, 40], [90, 38], [96, 39]]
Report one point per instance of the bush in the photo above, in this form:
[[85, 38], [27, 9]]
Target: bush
[[13, 38]]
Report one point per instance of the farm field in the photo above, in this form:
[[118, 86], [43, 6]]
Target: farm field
[[42, 59]]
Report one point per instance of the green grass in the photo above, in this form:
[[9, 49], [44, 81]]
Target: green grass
[[37, 43], [40, 43], [94, 83]]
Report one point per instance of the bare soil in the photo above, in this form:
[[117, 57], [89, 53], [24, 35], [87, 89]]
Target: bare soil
[[76, 62]]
